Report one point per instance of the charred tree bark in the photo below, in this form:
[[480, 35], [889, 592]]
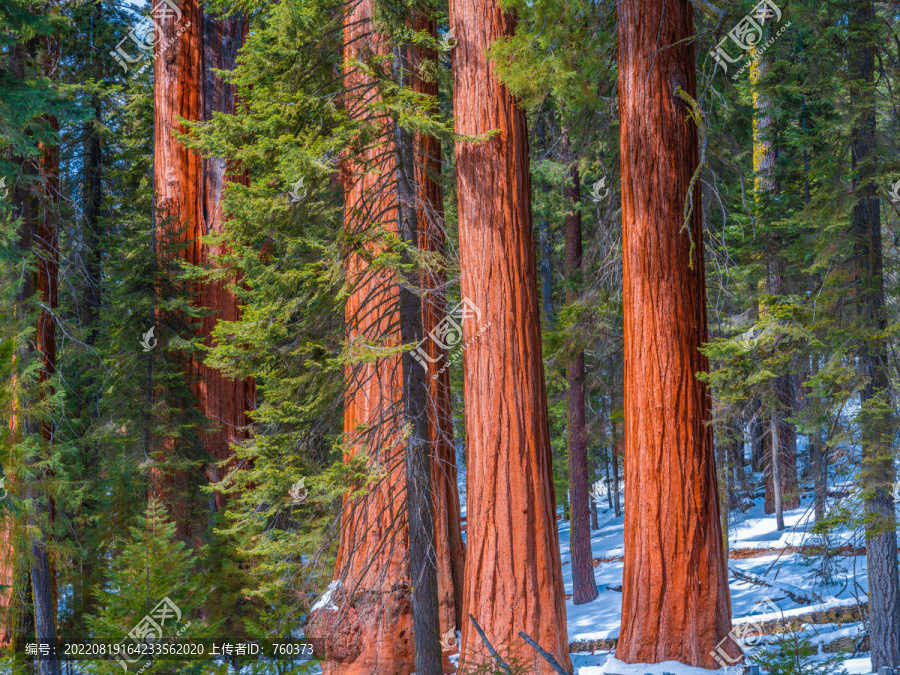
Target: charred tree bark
[[675, 599], [876, 415], [511, 502], [583, 583]]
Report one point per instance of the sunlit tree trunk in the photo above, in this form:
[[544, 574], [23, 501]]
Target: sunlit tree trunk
[[675, 599], [188, 192], [513, 576]]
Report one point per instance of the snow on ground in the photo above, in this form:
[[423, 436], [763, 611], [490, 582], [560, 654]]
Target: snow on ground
[[785, 573]]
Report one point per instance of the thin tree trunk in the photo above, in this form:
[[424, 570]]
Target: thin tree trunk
[[511, 502], [615, 473], [450, 549], [595, 523], [607, 459], [776, 474], [422, 570], [876, 473], [675, 599], [583, 583], [547, 272]]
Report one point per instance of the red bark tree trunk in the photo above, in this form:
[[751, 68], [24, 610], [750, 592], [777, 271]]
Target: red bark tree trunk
[[675, 601], [371, 630], [188, 196], [513, 579]]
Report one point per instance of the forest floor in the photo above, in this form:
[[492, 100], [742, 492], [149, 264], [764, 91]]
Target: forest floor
[[774, 577]]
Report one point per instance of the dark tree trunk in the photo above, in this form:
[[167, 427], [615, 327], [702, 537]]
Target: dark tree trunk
[[670, 465], [450, 548], [547, 273], [511, 502], [607, 460], [615, 475], [583, 583], [876, 472], [423, 573]]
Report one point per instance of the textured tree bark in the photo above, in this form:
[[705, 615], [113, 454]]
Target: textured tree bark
[[876, 419], [675, 599], [371, 630], [583, 583], [449, 546], [513, 573], [188, 191]]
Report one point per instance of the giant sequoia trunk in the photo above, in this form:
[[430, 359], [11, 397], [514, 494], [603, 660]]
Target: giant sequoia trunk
[[369, 629], [675, 600], [876, 471], [584, 587], [513, 577], [188, 191]]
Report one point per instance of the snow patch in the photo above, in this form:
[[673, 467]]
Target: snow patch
[[615, 667], [325, 601]]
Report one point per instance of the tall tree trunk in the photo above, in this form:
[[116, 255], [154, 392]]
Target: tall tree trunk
[[876, 472], [615, 475], [511, 502], [583, 583], [675, 599], [547, 272], [765, 154], [188, 192], [419, 497], [607, 459], [46, 247], [450, 549], [776, 474]]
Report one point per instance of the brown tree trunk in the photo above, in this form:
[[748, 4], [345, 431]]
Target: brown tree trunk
[[513, 573], [584, 587], [615, 475], [675, 599], [876, 473], [450, 549], [371, 630], [188, 191]]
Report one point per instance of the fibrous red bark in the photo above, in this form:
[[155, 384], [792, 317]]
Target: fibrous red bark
[[675, 599], [513, 579], [188, 191]]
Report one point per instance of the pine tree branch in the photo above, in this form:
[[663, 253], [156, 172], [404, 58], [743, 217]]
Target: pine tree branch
[[490, 648], [547, 656]]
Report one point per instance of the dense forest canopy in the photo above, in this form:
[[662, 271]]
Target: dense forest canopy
[[385, 337]]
